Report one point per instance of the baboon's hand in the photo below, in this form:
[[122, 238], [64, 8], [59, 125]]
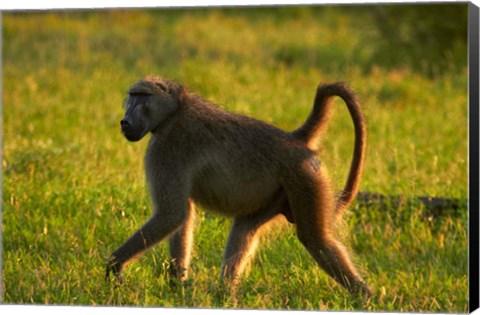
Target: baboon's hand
[[362, 290], [114, 267]]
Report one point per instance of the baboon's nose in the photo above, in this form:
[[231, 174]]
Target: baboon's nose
[[124, 123]]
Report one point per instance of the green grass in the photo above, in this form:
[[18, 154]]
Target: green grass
[[74, 188]]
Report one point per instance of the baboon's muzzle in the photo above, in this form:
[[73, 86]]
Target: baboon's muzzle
[[129, 131]]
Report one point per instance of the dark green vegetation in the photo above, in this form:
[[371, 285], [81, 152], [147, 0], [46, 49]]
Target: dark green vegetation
[[74, 189]]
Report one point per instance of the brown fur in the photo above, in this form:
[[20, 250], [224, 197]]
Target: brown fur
[[239, 167]]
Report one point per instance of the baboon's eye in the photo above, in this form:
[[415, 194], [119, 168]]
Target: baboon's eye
[[139, 94], [139, 98], [135, 99], [162, 86]]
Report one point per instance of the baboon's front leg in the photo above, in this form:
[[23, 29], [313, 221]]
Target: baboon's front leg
[[181, 246], [160, 225]]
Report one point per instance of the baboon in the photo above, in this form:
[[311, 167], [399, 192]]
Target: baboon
[[239, 167]]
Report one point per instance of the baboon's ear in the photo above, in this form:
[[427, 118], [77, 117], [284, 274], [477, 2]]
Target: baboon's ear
[[162, 87], [175, 89]]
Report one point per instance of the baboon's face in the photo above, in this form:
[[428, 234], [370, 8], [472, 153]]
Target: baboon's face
[[146, 106]]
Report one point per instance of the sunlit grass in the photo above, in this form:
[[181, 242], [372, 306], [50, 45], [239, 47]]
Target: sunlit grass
[[74, 189]]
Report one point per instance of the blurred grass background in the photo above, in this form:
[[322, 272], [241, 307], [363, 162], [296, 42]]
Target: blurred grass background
[[74, 189]]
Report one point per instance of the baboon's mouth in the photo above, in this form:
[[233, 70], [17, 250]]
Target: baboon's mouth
[[131, 135]]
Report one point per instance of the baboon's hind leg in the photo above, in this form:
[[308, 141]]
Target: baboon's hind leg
[[312, 202], [181, 246], [243, 240], [241, 246]]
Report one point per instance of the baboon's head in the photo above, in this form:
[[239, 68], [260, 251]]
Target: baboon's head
[[149, 102]]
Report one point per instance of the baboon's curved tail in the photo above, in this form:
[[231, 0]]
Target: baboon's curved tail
[[316, 122]]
